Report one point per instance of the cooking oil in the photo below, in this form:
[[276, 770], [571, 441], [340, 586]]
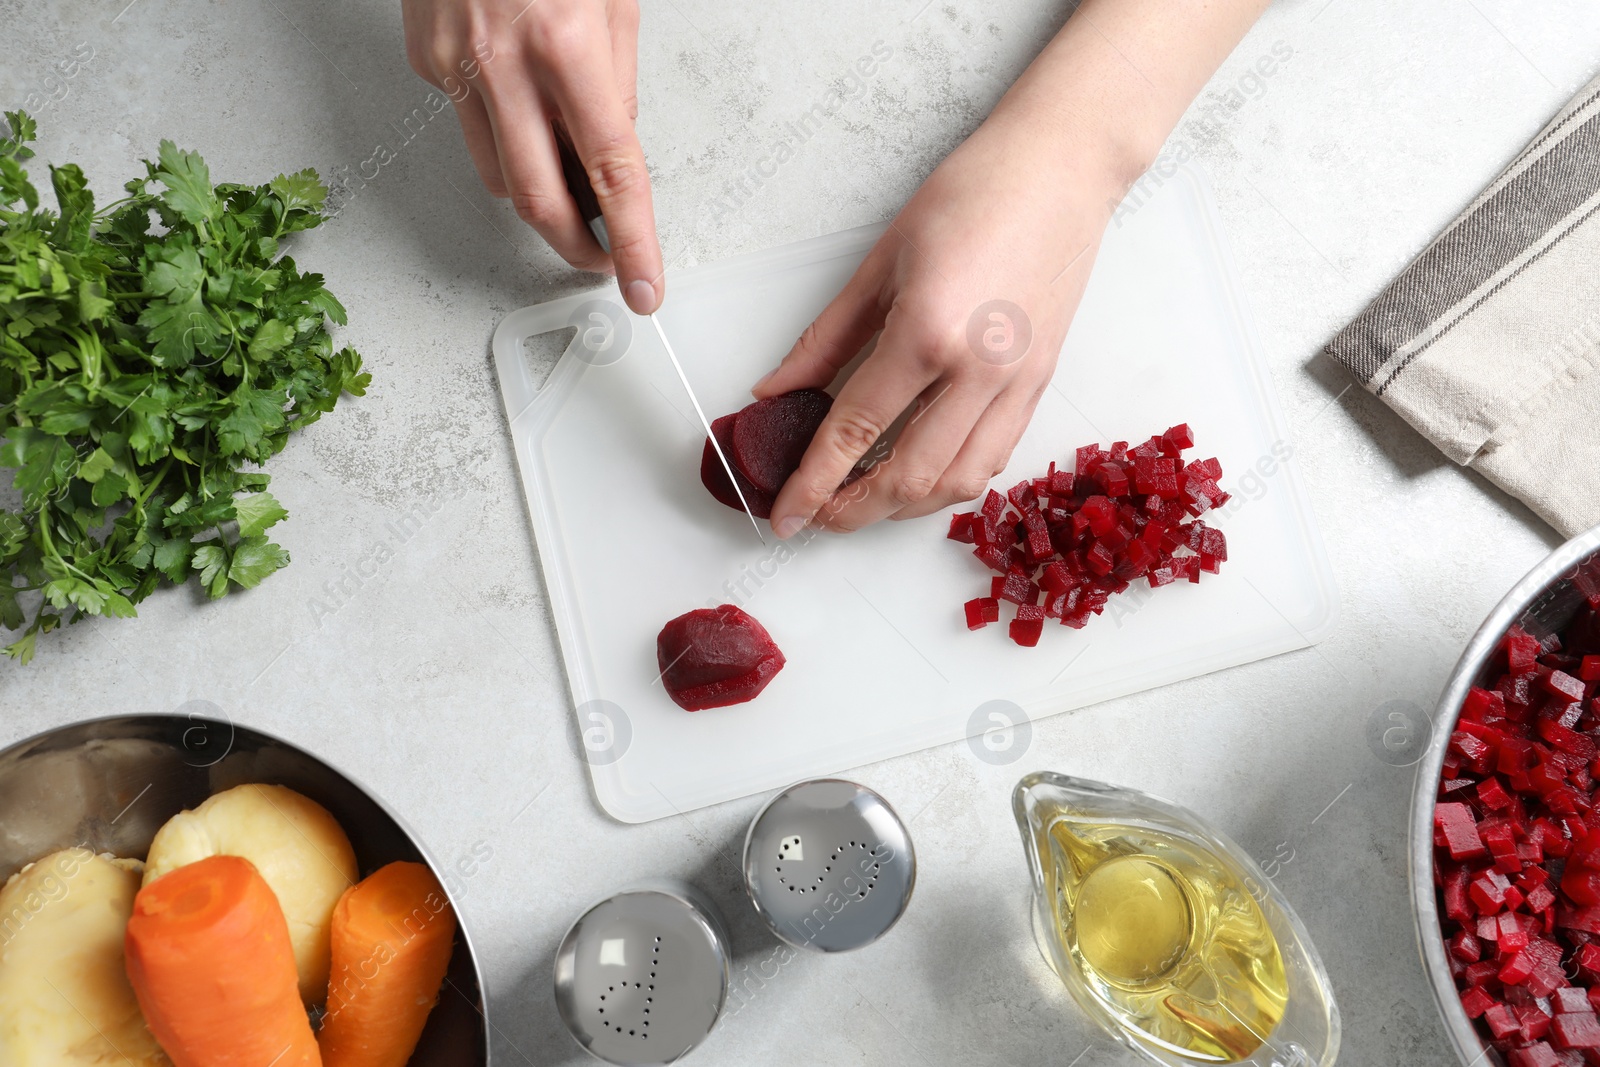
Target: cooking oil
[[1167, 934]]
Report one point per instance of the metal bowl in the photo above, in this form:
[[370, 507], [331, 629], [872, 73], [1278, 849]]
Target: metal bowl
[[109, 784], [1543, 602]]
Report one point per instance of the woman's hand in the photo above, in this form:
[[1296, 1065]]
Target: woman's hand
[[976, 280], [973, 285], [517, 69]]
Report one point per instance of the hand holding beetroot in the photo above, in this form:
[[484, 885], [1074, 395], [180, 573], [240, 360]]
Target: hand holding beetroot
[[975, 281]]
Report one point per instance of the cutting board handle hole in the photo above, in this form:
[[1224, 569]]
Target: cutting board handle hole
[[541, 352]]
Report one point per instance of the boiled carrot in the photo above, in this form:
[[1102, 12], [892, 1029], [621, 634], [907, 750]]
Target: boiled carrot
[[392, 937], [209, 958]]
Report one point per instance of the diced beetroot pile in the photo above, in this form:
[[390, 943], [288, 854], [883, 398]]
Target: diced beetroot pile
[[1070, 540], [1517, 846], [764, 443], [714, 657]]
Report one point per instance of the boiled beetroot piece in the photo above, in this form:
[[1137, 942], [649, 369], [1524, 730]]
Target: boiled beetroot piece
[[716, 479], [770, 436], [1028, 625], [714, 657], [1078, 536], [981, 612]]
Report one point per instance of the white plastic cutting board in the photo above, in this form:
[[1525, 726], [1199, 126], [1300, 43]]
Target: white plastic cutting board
[[880, 662]]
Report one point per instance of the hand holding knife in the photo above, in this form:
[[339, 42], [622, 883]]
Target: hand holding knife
[[583, 194]]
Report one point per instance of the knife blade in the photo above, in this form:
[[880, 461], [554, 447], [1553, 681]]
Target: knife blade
[[577, 180]]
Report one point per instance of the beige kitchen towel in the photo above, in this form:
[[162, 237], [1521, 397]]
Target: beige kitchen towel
[[1489, 342]]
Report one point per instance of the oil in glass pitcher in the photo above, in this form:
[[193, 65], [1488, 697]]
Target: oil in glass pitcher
[[1167, 934]]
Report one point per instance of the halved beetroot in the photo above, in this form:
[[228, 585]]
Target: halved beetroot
[[770, 436], [715, 478], [714, 657]]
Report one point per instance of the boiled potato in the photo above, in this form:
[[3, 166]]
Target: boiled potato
[[296, 845], [65, 1000]]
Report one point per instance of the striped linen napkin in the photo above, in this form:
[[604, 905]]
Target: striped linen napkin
[[1489, 342]]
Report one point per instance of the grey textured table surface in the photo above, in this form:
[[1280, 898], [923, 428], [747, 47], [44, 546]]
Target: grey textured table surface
[[433, 681]]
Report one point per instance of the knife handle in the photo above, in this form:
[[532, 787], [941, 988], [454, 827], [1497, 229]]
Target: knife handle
[[577, 180]]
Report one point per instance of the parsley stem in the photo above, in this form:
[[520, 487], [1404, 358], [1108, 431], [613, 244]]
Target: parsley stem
[[112, 207], [50, 545], [161, 476]]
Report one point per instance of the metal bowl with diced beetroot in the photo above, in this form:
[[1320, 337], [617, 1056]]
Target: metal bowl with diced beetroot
[[1505, 826]]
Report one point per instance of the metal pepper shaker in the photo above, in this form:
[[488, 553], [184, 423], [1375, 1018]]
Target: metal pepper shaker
[[641, 978], [829, 865]]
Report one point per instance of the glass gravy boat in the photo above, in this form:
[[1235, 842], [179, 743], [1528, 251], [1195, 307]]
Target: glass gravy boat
[[1167, 934]]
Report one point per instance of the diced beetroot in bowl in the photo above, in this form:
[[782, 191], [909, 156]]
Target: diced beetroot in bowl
[[1538, 1054], [1501, 1021], [1576, 1030], [1456, 829], [714, 657], [1517, 845], [1475, 1001], [1571, 999]]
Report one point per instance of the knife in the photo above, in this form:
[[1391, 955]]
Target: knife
[[577, 180]]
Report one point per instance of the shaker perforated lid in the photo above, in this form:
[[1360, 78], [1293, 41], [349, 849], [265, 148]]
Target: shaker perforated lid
[[829, 865], [642, 976]]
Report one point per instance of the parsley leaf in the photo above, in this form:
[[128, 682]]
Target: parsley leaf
[[256, 512], [188, 183], [141, 369], [253, 559], [300, 190]]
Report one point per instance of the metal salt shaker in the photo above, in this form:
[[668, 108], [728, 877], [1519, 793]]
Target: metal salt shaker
[[829, 865], [642, 976]]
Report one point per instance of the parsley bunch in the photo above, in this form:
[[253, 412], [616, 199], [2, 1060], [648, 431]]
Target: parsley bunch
[[152, 355]]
